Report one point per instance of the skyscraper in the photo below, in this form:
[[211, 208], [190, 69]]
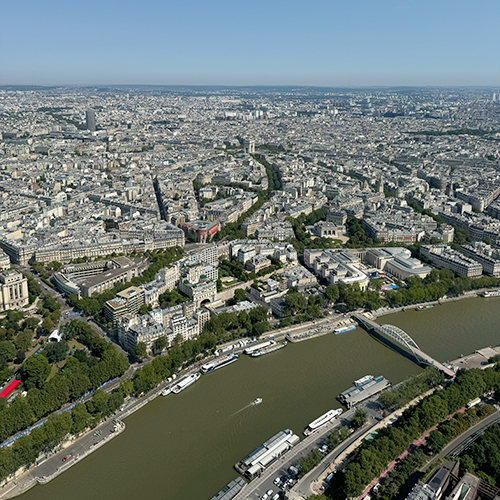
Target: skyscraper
[[90, 121]]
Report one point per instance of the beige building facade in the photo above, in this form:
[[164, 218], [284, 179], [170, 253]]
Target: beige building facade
[[13, 290]]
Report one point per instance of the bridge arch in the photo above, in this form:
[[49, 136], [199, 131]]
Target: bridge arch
[[394, 335], [402, 338]]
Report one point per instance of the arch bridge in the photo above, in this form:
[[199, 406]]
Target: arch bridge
[[394, 334]]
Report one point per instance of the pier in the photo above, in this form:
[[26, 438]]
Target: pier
[[394, 335]]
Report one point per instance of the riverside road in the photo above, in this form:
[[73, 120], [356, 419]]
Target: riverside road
[[258, 487]]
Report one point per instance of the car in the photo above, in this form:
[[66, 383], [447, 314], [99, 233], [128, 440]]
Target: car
[[264, 497], [277, 481], [65, 458], [269, 492]]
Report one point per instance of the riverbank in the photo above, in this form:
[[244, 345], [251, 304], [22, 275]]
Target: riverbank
[[317, 484], [319, 330], [467, 295], [295, 384], [479, 359], [68, 453], [76, 448]]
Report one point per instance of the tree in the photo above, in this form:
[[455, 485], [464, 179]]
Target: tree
[[295, 302], [98, 403], [240, 295], [260, 327], [7, 350], [258, 314], [351, 295], [332, 293], [145, 379], [30, 323], [140, 350], [20, 357], [55, 351], [36, 369], [161, 343], [127, 386], [81, 418], [436, 441], [47, 324], [311, 460], [358, 419], [337, 436], [23, 340], [145, 308]]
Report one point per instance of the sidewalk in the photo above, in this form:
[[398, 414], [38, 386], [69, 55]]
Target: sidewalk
[[57, 463], [317, 486]]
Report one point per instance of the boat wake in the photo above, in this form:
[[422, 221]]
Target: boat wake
[[253, 403]]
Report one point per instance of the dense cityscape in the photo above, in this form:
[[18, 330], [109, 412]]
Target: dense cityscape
[[150, 235]]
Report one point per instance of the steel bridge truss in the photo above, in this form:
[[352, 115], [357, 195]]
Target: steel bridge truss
[[401, 337]]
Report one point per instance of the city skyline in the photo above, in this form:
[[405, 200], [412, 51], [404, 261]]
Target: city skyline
[[322, 44]]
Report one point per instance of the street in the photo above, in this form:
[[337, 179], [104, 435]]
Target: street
[[462, 442], [61, 459], [259, 486]]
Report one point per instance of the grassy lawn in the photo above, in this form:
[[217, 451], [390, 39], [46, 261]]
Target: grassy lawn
[[74, 344], [54, 368]]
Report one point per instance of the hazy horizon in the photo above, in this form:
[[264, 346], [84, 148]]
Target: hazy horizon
[[222, 43]]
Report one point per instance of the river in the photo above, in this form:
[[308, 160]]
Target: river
[[183, 447]]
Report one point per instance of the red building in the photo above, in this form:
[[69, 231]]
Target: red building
[[9, 388], [203, 229]]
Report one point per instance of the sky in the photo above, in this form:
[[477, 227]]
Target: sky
[[262, 42]]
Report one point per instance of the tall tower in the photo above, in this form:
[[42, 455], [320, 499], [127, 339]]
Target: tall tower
[[90, 120]]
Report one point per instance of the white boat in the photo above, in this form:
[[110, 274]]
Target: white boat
[[343, 329], [424, 307], [267, 350], [166, 391], [325, 418], [185, 382], [253, 348], [217, 363], [257, 401]]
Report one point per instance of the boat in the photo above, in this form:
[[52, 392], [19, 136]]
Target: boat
[[268, 349], [231, 490], [217, 363], [343, 329], [493, 293], [166, 391], [257, 401], [262, 457], [185, 382], [257, 347], [363, 388], [423, 308], [324, 419]]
